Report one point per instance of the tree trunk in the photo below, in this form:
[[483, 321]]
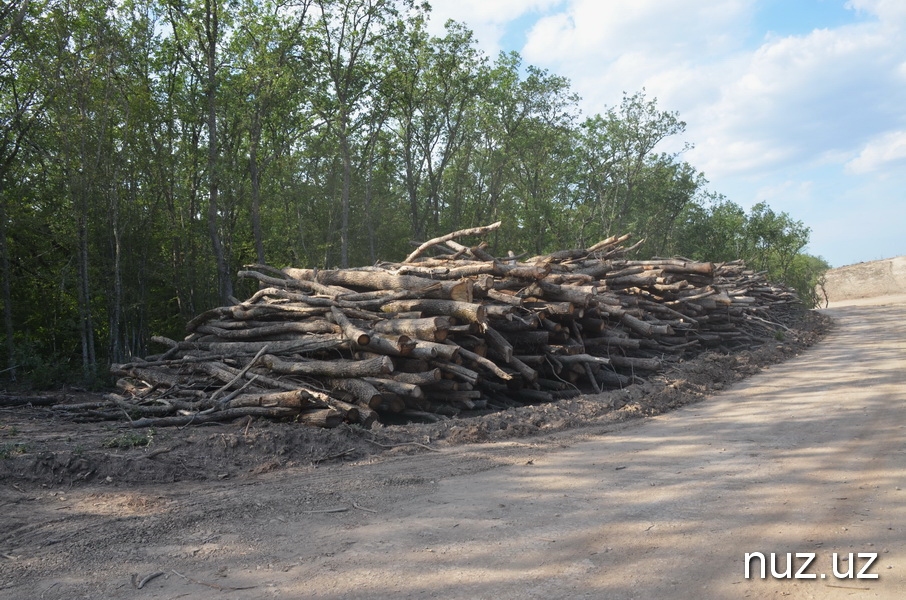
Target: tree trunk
[[254, 176], [7, 295], [212, 32], [341, 369], [86, 323], [115, 345], [347, 184]]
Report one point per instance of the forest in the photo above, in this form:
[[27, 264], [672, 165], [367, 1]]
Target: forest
[[149, 149]]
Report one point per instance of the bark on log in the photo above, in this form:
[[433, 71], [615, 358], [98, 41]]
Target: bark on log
[[427, 377], [431, 329], [357, 336], [364, 393], [452, 236], [396, 387], [310, 286], [473, 313], [629, 362], [325, 417], [374, 367], [222, 415], [484, 362], [297, 399]]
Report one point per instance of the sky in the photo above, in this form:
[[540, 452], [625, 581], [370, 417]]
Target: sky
[[798, 103]]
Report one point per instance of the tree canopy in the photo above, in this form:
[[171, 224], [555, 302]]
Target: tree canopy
[[150, 148]]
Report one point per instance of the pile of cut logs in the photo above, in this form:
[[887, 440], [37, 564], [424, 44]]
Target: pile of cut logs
[[427, 338]]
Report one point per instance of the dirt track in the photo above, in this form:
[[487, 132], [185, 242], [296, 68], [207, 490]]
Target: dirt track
[[809, 456]]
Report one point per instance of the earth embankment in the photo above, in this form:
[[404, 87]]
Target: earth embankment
[[878, 278]]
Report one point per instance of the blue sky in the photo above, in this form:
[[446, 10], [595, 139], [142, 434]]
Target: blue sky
[[799, 103]]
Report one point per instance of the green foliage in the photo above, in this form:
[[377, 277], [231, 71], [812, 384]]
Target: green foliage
[[128, 440], [619, 174], [41, 367], [766, 241], [806, 274], [11, 449], [150, 148]]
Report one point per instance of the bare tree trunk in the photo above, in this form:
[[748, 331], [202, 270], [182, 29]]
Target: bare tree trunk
[[254, 176], [347, 184], [86, 323], [212, 32], [369, 218], [116, 312], [7, 295]]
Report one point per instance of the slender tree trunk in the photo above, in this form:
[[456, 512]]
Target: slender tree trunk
[[347, 184], [7, 295], [116, 312], [418, 229], [86, 323], [225, 282], [254, 176], [369, 220]]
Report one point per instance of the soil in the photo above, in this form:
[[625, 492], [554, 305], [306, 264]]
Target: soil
[[40, 446], [614, 495], [872, 279]]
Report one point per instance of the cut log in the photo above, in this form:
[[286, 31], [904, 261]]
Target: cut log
[[431, 329], [451, 236], [325, 417], [296, 399], [396, 387], [357, 336], [364, 393], [374, 367], [473, 313]]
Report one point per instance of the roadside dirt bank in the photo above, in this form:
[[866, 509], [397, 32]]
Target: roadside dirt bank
[[867, 280]]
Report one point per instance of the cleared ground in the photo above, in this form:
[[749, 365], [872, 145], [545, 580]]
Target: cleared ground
[[808, 456]]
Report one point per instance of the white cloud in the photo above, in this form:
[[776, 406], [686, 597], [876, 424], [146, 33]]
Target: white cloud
[[498, 11], [764, 111], [790, 189], [889, 11], [804, 96], [785, 99], [592, 31], [886, 150], [488, 19]]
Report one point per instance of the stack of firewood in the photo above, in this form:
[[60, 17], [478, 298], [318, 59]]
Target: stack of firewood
[[427, 338]]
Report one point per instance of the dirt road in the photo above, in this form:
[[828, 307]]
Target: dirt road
[[806, 457]]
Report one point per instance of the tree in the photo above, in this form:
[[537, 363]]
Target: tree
[[774, 240], [515, 160], [432, 87], [666, 188], [541, 149], [199, 30], [272, 49], [19, 99], [349, 33], [83, 147], [615, 149], [713, 230]]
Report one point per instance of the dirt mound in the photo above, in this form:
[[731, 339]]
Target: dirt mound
[[867, 280], [40, 445]]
